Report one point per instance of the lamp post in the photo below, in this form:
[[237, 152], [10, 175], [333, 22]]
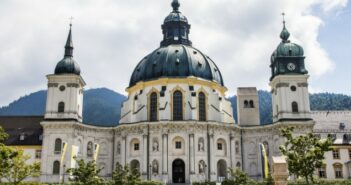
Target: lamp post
[[63, 173]]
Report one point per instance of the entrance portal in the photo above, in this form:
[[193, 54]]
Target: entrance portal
[[178, 169]]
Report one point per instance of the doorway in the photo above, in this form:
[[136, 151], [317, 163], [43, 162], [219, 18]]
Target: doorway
[[178, 171]]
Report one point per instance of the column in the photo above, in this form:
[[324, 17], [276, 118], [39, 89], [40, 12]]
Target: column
[[145, 165], [124, 151], [192, 154], [164, 157], [213, 176]]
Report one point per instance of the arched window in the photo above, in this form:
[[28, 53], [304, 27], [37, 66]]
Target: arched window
[[177, 105], [61, 107], [294, 107], [202, 106], [251, 104], [56, 168], [58, 146], [246, 104], [153, 107]]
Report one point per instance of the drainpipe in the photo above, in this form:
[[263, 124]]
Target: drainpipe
[[242, 150], [208, 155]]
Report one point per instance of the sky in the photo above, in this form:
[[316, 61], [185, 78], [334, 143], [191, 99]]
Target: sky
[[110, 37]]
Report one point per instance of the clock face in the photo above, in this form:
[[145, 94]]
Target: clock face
[[291, 67]]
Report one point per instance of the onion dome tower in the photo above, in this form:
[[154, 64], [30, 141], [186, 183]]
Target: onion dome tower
[[289, 81], [176, 67], [65, 88]]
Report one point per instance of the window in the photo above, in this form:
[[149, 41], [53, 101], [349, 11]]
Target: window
[[58, 146], [336, 153], [350, 153], [178, 145], [293, 88], [22, 136], [219, 146], [346, 138], [246, 104], [56, 168], [177, 105], [61, 107], [294, 107], [202, 106], [322, 172], [338, 170], [251, 104], [153, 107], [136, 146], [332, 136], [38, 154]]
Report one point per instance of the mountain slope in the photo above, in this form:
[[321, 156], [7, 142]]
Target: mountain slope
[[100, 107]]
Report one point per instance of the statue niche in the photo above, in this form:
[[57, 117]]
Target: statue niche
[[155, 145]]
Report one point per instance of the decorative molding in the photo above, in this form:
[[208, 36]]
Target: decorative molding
[[52, 84], [72, 85], [282, 85], [302, 84]]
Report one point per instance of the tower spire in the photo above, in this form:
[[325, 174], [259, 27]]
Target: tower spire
[[69, 43], [175, 5], [284, 35]]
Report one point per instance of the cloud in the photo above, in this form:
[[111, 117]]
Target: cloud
[[112, 36]]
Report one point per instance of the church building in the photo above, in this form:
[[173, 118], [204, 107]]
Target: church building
[[177, 126]]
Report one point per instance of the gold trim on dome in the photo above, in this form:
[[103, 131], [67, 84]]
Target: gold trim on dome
[[165, 81]]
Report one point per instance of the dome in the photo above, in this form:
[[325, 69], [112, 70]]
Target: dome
[[176, 61], [286, 48], [67, 66], [176, 16]]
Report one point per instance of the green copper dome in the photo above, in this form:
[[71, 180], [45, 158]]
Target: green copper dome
[[176, 58], [286, 48], [67, 65]]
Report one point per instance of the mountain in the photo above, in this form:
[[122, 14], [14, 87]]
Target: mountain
[[101, 106]]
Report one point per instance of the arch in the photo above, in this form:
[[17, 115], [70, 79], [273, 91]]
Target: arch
[[202, 167], [201, 144], [135, 166], [178, 171], [251, 103], [178, 105], [202, 107], [155, 167], [238, 165], [153, 106], [61, 107], [56, 168], [58, 146], [178, 147], [221, 147], [221, 170], [135, 147], [294, 107]]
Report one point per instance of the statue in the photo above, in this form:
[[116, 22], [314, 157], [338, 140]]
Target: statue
[[118, 148], [154, 167], [155, 145], [90, 149], [201, 167]]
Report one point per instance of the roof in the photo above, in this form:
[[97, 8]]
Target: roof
[[331, 120], [28, 126], [246, 91]]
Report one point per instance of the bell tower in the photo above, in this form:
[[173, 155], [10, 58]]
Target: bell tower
[[289, 81], [65, 88]]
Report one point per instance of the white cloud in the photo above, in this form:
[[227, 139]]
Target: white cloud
[[110, 37]]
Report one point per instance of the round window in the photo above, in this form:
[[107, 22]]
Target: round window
[[62, 88], [293, 88]]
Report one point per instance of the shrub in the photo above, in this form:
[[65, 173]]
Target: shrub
[[149, 183], [204, 183], [322, 182]]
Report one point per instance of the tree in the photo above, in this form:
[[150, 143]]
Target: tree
[[20, 169], [238, 177], [86, 173], [6, 155], [125, 175], [304, 153]]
